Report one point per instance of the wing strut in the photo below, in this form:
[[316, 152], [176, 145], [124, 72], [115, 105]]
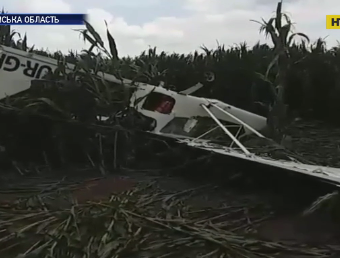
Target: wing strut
[[227, 132], [238, 120]]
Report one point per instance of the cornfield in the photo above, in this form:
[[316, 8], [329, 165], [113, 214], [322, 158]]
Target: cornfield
[[312, 74], [53, 132]]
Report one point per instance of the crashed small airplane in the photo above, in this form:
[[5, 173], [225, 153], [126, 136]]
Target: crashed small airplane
[[202, 123]]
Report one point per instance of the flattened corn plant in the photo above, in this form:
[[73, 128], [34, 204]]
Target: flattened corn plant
[[141, 222]]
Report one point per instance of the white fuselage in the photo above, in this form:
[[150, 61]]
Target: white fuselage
[[190, 106]]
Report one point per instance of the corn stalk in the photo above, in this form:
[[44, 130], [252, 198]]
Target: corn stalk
[[279, 29]]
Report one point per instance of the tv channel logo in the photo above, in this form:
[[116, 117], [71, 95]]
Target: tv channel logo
[[333, 22]]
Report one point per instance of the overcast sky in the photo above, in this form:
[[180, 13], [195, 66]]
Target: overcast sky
[[172, 25]]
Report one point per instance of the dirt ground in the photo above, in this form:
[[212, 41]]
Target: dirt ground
[[317, 142], [245, 214]]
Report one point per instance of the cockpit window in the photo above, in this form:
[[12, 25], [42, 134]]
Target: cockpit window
[[159, 102]]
